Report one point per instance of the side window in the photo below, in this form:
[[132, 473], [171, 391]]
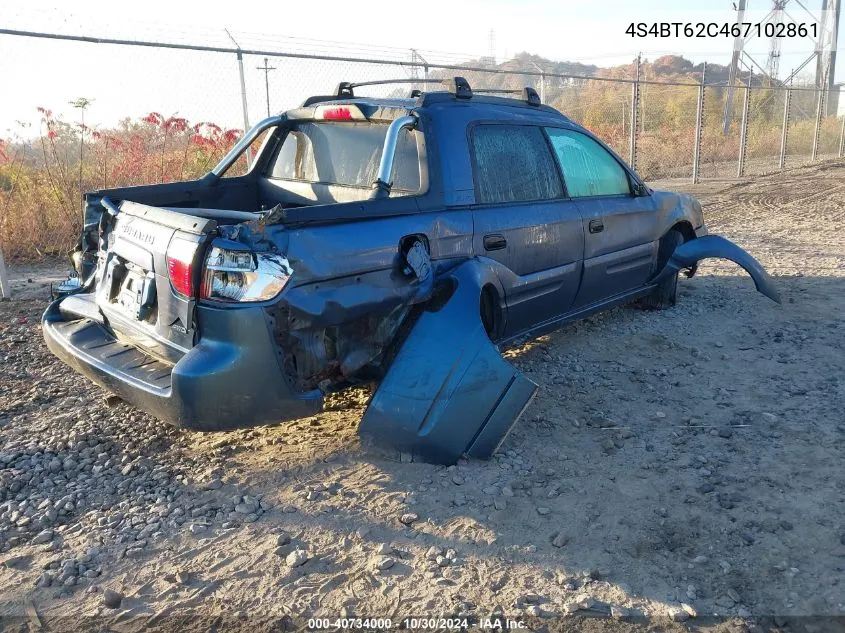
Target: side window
[[588, 168], [513, 164]]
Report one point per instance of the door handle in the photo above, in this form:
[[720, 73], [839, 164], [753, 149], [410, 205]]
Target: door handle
[[596, 226], [495, 242]]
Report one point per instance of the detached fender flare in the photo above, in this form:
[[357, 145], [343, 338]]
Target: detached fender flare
[[689, 253]]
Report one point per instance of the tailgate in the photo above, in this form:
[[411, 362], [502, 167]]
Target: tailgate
[[134, 291]]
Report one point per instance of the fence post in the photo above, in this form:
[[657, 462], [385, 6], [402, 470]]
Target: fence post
[[842, 139], [818, 126], [244, 104], [743, 130], [785, 132], [243, 93], [699, 128], [5, 288], [635, 102]]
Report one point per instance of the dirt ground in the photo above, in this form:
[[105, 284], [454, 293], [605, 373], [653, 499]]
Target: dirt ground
[[683, 464]]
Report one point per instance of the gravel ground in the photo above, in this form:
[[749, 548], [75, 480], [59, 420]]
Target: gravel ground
[[682, 464]]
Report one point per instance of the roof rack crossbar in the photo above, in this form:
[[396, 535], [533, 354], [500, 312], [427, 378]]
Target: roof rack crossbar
[[458, 86]]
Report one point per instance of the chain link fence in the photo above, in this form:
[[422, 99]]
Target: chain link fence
[[178, 107]]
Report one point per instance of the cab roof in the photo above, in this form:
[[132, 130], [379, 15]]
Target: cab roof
[[458, 91]]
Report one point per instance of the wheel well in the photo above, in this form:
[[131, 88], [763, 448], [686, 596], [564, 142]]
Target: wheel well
[[685, 229], [491, 311]]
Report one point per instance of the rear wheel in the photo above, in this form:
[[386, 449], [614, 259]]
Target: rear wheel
[[666, 293]]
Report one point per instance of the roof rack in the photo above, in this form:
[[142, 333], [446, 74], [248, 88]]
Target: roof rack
[[458, 86]]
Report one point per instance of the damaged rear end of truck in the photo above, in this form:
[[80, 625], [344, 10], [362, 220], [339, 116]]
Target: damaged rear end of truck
[[225, 302]]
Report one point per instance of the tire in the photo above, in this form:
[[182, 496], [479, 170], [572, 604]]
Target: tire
[[666, 293]]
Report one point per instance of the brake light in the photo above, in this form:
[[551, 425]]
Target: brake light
[[180, 259], [339, 113]]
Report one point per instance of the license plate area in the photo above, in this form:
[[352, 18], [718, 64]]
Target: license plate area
[[130, 288]]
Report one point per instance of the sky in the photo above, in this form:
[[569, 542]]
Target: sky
[[131, 81]]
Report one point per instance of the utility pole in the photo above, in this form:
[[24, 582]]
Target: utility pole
[[266, 70]]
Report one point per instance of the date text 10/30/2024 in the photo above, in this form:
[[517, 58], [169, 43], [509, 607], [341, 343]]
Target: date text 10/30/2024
[[715, 29]]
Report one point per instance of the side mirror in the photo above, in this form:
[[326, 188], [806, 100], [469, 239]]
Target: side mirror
[[639, 189]]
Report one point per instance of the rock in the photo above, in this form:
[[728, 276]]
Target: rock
[[689, 609], [507, 491], [45, 536], [45, 580], [618, 612], [748, 538], [198, 528], [432, 553], [283, 550], [678, 615], [500, 504], [584, 602], [111, 401], [560, 539], [725, 432], [282, 539], [543, 511], [384, 562], [182, 577], [408, 518], [296, 558], [112, 599]]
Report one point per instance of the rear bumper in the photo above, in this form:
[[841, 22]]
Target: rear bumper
[[231, 379]]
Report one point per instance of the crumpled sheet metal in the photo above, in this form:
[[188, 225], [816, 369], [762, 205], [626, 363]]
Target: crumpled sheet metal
[[449, 391], [689, 253]]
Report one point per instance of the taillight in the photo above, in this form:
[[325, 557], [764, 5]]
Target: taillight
[[241, 276], [180, 258]]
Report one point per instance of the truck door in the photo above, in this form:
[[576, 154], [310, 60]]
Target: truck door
[[524, 222], [619, 254]]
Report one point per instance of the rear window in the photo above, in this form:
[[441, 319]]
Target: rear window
[[345, 154], [513, 163]]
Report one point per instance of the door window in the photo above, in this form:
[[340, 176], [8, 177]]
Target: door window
[[588, 168], [513, 164]]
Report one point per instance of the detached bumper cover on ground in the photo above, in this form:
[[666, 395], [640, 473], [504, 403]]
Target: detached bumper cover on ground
[[448, 391]]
